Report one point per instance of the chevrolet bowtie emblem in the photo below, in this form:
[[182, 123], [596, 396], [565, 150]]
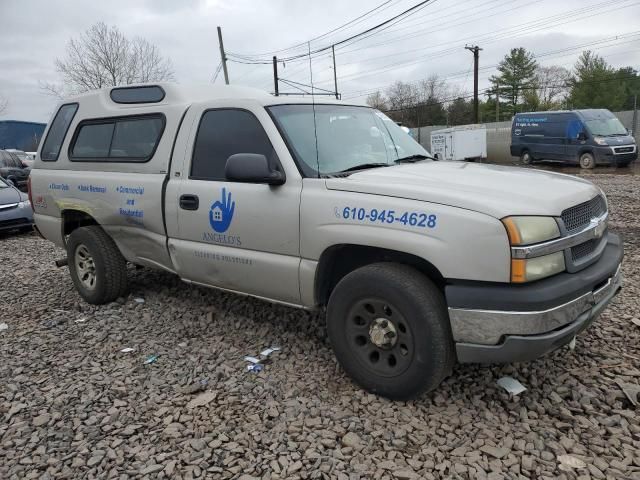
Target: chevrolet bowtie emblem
[[599, 227]]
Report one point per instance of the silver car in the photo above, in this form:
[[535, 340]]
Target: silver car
[[15, 209]]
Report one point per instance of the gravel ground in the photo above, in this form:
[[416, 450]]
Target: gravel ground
[[73, 405]]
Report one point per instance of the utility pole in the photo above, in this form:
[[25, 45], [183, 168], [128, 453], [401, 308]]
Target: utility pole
[[476, 54], [275, 75], [497, 102], [223, 57], [335, 74], [634, 122]]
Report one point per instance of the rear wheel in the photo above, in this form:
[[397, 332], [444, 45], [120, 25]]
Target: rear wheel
[[587, 160], [97, 268], [389, 329], [526, 158]]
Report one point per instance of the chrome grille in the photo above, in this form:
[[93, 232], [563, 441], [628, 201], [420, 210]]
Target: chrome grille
[[579, 216], [624, 149], [8, 206], [584, 249]]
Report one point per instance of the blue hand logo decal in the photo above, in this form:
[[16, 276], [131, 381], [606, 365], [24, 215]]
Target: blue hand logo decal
[[221, 213]]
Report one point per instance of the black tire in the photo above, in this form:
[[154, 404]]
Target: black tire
[[105, 260], [526, 158], [422, 354], [587, 161]]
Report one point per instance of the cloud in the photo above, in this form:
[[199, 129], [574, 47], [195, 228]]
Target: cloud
[[35, 33]]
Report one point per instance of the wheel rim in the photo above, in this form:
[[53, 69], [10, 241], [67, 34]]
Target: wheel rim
[[586, 161], [85, 267], [380, 337], [526, 158]]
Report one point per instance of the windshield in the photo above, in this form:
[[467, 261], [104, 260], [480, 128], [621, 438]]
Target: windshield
[[606, 126], [2, 184], [348, 137]]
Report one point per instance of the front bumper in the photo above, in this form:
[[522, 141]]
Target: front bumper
[[530, 323], [609, 156], [13, 218]]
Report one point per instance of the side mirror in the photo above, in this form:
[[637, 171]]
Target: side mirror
[[251, 168], [582, 136]]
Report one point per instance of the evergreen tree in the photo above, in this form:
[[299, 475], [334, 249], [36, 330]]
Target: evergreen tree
[[460, 112], [517, 75], [595, 84]]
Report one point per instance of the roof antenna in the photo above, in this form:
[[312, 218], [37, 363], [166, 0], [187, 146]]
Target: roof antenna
[[313, 103]]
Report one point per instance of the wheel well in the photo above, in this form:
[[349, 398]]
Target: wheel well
[[339, 260], [583, 151], [72, 219]]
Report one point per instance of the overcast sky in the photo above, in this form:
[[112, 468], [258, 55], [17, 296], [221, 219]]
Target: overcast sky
[[35, 33]]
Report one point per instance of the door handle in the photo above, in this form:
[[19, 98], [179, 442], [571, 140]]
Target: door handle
[[189, 202]]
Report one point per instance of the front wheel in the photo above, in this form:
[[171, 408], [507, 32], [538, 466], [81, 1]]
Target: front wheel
[[526, 158], [587, 161], [390, 331], [97, 268]]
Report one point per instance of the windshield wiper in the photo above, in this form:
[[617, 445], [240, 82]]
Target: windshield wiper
[[414, 158], [363, 166]]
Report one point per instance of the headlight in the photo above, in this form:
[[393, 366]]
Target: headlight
[[528, 270], [25, 204], [600, 140], [528, 230]]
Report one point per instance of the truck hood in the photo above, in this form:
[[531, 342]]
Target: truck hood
[[495, 190], [619, 141]]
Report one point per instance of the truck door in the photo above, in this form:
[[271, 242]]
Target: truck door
[[237, 236], [574, 128]]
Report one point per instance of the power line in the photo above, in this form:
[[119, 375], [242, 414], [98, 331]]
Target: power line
[[217, 72], [537, 55], [543, 21], [445, 52], [304, 44], [405, 14]]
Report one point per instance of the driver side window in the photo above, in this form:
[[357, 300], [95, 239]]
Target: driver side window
[[225, 132]]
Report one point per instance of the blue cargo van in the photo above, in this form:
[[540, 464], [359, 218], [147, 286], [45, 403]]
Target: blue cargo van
[[585, 137]]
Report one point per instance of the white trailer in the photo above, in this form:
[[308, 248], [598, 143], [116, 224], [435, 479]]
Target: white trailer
[[465, 142]]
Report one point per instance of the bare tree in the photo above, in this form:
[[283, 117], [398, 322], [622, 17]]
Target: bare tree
[[104, 57], [401, 97], [433, 89], [551, 88], [377, 100]]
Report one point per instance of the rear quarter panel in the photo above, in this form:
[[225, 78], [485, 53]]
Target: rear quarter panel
[[125, 198]]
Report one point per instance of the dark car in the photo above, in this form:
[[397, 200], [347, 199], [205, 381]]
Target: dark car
[[12, 170], [15, 209], [586, 137]]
